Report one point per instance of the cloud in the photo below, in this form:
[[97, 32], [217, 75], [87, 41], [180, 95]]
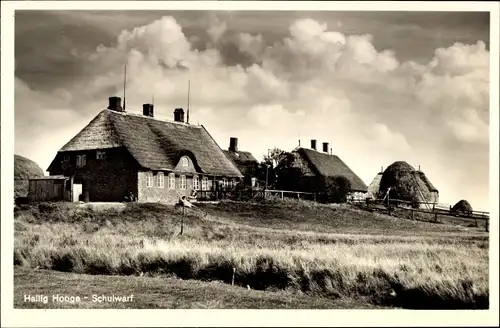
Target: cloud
[[314, 83], [216, 29]]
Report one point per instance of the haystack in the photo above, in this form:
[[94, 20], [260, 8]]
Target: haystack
[[374, 187], [462, 206], [407, 184], [24, 169]]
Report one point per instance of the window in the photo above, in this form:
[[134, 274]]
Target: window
[[66, 158], [224, 182], [254, 182], [183, 182], [81, 160], [101, 154], [184, 161], [204, 183], [160, 180], [233, 183], [171, 181], [149, 179], [196, 183]]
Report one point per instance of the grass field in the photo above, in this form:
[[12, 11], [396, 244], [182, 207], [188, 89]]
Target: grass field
[[315, 255]]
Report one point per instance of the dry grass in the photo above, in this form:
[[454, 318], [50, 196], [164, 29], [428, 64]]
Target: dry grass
[[444, 268]]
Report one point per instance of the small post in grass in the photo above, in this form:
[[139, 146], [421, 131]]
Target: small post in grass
[[182, 219], [184, 203]]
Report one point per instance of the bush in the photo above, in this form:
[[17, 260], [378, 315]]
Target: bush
[[336, 189]]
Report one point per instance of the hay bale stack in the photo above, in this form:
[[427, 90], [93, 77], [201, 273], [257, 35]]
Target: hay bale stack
[[462, 207], [402, 178], [24, 169]]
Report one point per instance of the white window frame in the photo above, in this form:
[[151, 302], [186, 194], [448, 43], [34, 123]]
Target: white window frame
[[66, 158], [160, 180], [171, 181], [196, 182], [81, 160], [183, 184], [233, 183], [101, 154], [149, 179], [204, 183], [225, 183]]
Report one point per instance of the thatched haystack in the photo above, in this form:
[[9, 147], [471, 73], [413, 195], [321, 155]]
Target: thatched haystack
[[373, 188], [462, 207], [407, 184], [24, 169]]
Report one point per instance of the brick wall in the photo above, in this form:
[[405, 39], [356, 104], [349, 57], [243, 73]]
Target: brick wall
[[106, 180], [163, 195]]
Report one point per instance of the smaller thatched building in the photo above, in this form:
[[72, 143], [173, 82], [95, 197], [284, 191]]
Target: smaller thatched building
[[316, 166], [243, 160]]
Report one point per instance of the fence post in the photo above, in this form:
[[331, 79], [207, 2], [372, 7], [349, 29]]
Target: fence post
[[282, 195], [435, 217], [413, 214]]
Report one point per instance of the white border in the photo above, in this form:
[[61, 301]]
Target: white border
[[112, 318]]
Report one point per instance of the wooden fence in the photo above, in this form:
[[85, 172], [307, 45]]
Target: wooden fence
[[206, 195]]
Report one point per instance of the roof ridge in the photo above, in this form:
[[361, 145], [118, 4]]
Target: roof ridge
[[152, 118]]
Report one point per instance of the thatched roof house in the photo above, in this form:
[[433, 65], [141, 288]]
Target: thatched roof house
[[406, 183], [243, 160], [120, 154], [322, 164]]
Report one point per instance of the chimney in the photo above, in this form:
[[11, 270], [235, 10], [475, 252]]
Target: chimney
[[313, 144], [115, 103], [233, 144], [147, 110], [179, 115], [325, 147]]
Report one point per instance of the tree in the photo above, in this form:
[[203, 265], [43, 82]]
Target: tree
[[336, 189], [275, 157]]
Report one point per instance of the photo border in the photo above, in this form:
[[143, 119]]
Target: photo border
[[225, 318]]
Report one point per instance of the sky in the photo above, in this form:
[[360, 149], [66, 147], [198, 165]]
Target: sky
[[378, 86]]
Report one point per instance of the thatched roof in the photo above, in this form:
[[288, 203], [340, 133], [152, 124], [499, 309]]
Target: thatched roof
[[406, 182], [462, 206], [153, 143], [243, 160], [24, 169], [328, 165]]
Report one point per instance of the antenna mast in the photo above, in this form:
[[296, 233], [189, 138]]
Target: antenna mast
[[189, 91], [124, 87]]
